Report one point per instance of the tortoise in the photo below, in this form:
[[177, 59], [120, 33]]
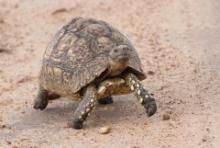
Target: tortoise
[[91, 60]]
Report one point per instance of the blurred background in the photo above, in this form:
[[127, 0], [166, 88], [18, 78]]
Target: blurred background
[[178, 43]]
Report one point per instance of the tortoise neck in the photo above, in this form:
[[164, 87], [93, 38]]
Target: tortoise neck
[[117, 66]]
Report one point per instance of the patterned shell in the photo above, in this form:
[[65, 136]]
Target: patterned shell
[[79, 53]]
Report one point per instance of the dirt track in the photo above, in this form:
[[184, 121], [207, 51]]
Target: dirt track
[[177, 40]]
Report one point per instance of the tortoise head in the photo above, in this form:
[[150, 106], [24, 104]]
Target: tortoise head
[[120, 53], [118, 59]]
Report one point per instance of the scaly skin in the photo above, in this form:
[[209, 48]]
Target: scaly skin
[[86, 105], [146, 99]]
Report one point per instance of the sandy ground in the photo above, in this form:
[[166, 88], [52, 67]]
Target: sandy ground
[[177, 40]]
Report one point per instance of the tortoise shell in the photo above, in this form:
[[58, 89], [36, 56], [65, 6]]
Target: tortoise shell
[[78, 54]]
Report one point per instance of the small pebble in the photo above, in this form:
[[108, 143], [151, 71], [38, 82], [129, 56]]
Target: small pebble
[[104, 130], [204, 140], [3, 126], [67, 125], [3, 50], [61, 10], [150, 72], [166, 117], [2, 21], [8, 142]]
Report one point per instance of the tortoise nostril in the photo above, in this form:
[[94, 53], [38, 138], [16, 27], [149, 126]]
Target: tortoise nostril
[[125, 49]]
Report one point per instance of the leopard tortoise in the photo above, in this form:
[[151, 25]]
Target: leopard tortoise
[[91, 60]]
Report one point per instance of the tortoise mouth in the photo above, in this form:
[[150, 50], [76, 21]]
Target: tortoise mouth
[[124, 56]]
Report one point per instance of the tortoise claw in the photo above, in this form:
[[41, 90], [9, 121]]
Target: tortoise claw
[[151, 108]]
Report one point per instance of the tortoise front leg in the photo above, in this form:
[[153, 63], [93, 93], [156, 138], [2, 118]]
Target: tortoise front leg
[[85, 107], [146, 99]]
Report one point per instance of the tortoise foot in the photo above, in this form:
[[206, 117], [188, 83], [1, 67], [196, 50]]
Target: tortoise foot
[[151, 108], [106, 100], [76, 124]]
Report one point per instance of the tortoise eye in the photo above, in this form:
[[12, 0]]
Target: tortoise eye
[[115, 50]]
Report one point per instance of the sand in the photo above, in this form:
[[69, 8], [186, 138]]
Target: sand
[[178, 43]]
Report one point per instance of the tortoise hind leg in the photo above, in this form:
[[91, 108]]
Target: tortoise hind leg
[[41, 101], [106, 100]]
